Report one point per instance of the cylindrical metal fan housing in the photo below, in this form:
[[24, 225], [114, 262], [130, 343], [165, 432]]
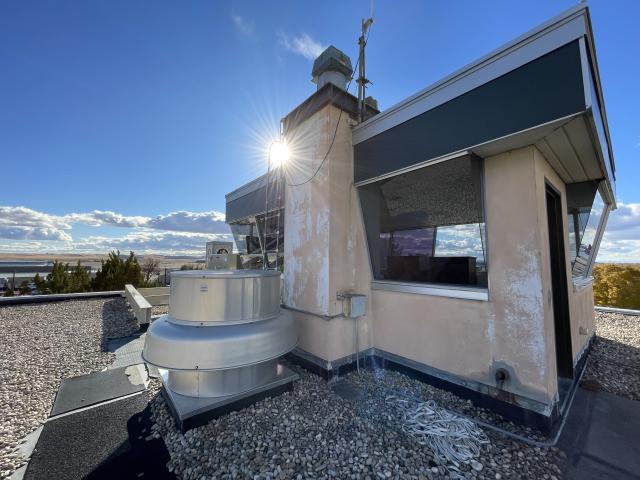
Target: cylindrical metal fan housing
[[223, 334]]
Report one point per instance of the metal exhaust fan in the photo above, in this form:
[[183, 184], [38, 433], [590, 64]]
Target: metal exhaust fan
[[218, 348]]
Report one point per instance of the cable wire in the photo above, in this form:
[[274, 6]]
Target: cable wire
[[453, 439]]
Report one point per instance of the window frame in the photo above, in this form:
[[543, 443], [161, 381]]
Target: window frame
[[429, 288], [586, 279]]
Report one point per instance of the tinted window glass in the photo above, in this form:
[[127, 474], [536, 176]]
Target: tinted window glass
[[428, 225]]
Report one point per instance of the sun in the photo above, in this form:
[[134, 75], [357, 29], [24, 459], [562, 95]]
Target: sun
[[278, 154]]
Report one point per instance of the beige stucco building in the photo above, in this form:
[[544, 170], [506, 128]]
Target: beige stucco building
[[469, 215]]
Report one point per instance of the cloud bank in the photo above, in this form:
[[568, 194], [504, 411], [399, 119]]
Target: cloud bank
[[175, 232], [182, 232]]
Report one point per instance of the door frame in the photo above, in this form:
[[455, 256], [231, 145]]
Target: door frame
[[559, 283]]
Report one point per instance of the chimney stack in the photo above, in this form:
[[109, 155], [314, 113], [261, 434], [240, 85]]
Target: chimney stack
[[332, 66]]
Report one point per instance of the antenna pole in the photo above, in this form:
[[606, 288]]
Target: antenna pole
[[362, 79]]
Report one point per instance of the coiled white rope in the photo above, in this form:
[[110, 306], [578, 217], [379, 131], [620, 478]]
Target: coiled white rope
[[454, 440]]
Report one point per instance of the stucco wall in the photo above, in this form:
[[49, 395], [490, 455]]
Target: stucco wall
[[470, 338], [325, 250], [580, 300], [324, 244]]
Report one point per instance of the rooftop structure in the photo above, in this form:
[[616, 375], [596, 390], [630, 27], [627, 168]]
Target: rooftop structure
[[469, 215]]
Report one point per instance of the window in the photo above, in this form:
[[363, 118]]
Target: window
[[245, 235], [427, 225], [273, 233], [250, 235], [584, 221]]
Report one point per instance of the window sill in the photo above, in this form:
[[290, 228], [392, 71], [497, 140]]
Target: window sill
[[467, 293], [580, 284]]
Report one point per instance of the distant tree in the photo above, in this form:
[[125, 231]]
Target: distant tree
[[617, 285], [115, 273], [9, 291], [150, 267], [64, 279], [41, 284], [24, 288], [58, 280], [79, 280]]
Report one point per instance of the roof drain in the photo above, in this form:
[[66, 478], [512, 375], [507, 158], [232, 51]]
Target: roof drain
[[221, 341]]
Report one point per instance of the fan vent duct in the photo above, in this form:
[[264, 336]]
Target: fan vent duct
[[222, 337]]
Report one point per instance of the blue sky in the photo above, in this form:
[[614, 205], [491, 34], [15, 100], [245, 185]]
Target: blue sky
[[149, 112]]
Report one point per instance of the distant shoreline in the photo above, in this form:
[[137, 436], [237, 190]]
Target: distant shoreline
[[94, 259]]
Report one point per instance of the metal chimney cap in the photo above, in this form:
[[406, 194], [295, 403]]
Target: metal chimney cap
[[332, 59]]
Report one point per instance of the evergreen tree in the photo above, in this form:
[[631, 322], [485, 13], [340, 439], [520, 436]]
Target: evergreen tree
[[79, 280], [115, 273], [58, 280], [24, 288], [41, 284]]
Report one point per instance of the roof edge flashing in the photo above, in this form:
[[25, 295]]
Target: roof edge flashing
[[371, 127]]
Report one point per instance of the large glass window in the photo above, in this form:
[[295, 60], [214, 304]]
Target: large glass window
[[428, 225]]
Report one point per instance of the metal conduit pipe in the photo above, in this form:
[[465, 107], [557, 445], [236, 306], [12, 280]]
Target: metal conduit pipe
[[342, 298], [313, 314]]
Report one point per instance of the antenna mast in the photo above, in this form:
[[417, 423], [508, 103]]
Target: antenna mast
[[362, 79]]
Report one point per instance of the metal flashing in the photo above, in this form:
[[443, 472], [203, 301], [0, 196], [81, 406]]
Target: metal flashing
[[452, 291], [247, 188], [539, 41], [543, 90]]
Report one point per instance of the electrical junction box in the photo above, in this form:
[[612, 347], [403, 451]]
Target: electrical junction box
[[355, 305]]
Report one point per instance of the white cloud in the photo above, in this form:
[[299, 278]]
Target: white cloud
[[26, 217], [149, 241], [302, 45], [202, 222], [13, 232], [98, 218], [243, 25], [181, 221], [621, 241], [182, 231]]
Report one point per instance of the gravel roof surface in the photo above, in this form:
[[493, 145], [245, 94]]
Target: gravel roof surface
[[40, 345], [159, 309], [614, 364], [308, 433], [314, 433]]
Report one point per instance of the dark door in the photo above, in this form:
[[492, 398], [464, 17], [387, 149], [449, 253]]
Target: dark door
[[562, 325]]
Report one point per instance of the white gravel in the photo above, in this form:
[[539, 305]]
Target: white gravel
[[614, 363], [40, 345], [308, 433], [159, 309], [314, 433]]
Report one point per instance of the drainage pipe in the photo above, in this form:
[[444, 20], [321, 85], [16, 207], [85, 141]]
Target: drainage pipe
[[537, 443]]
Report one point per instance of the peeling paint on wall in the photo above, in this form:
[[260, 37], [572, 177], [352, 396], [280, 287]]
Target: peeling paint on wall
[[524, 313]]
